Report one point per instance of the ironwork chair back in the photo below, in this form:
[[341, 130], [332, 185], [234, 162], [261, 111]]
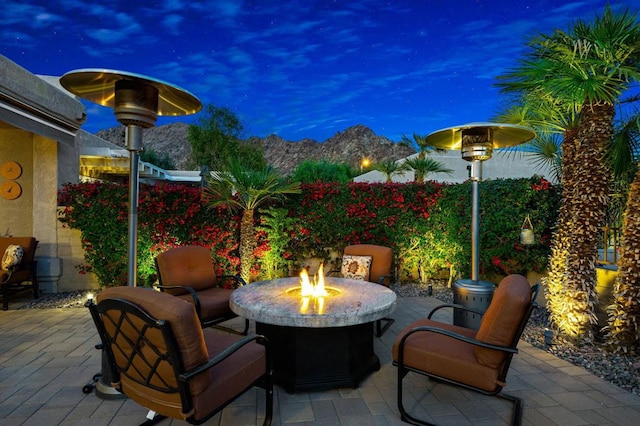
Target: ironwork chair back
[[166, 373]]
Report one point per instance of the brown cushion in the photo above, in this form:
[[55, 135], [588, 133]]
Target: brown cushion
[[500, 322], [214, 302], [17, 276], [232, 375], [381, 259], [189, 338], [186, 266], [445, 356]]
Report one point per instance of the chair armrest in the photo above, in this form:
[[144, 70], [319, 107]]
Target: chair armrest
[[456, 336], [187, 375], [192, 292], [239, 282], [455, 306]]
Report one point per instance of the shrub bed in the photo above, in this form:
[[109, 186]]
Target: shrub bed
[[427, 225]]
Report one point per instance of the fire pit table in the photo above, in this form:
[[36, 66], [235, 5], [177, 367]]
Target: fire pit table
[[318, 342]]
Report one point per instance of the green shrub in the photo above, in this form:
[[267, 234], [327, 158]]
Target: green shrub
[[168, 216], [427, 225], [322, 171]]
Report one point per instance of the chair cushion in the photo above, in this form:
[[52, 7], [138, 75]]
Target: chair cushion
[[233, 375], [382, 258], [12, 257], [189, 266], [214, 302], [356, 267], [444, 356], [502, 319]]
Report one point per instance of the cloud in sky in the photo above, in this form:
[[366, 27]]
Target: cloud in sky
[[303, 69]]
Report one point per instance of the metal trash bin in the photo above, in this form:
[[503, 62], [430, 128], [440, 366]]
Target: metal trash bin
[[474, 295]]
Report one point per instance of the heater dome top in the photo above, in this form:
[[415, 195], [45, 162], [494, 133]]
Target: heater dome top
[[98, 85], [502, 134]]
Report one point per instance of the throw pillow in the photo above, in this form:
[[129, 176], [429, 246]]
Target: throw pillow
[[356, 267], [12, 257]]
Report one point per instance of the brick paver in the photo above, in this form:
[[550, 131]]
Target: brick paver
[[47, 355]]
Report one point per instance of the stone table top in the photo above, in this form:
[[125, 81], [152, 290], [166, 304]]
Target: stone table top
[[278, 302]]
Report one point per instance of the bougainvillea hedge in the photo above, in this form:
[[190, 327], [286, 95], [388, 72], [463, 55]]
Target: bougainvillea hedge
[[427, 225]]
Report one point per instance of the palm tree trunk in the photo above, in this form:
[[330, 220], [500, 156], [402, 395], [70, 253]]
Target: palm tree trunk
[[624, 315], [588, 206], [247, 244], [419, 174], [555, 281]]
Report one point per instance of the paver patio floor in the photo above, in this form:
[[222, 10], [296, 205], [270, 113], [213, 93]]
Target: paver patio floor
[[47, 355]]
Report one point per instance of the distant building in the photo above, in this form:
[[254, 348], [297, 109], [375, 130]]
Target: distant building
[[503, 164]]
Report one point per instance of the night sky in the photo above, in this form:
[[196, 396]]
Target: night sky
[[298, 69]]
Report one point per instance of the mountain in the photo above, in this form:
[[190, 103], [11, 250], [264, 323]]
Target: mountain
[[350, 146]]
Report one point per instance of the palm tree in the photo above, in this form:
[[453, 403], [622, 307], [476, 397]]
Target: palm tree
[[246, 190], [590, 65], [423, 166], [551, 119], [623, 329], [424, 146], [389, 168]]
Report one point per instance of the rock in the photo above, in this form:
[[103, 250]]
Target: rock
[[350, 146]]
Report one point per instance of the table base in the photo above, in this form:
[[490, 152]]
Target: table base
[[320, 358]]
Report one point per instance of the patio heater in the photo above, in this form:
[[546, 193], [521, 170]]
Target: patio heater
[[476, 142], [137, 101]]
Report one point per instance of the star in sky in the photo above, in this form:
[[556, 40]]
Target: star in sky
[[299, 69]]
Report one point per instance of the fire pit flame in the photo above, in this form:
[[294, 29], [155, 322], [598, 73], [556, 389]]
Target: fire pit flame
[[315, 288]]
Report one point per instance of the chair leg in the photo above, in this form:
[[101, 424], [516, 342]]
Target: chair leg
[[380, 329], [404, 415], [268, 414], [5, 297], [153, 419], [35, 286], [516, 417]]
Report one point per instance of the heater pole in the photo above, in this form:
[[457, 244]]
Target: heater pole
[[476, 177], [137, 101], [134, 145]]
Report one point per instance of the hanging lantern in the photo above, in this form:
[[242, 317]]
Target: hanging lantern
[[526, 232]]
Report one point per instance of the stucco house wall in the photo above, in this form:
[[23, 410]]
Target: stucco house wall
[[40, 130]]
